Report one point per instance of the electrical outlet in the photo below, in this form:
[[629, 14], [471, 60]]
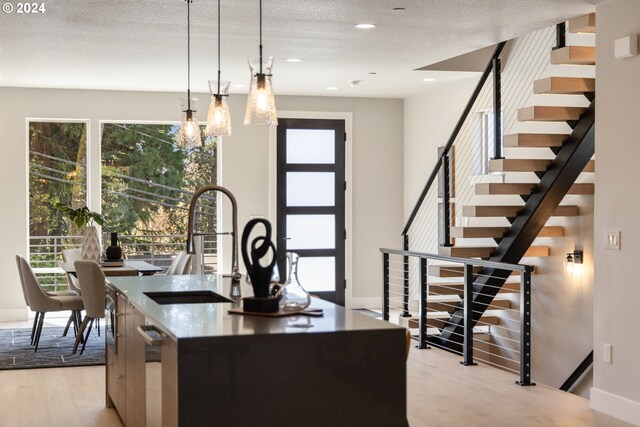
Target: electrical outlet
[[612, 240], [607, 350]]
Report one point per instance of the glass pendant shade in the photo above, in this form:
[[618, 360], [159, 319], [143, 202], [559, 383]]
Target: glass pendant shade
[[218, 117], [190, 135], [261, 103]]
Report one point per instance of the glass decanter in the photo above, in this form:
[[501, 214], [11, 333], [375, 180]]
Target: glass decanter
[[294, 296]]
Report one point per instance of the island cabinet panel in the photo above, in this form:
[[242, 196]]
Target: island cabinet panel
[[312, 380], [135, 371], [170, 384], [120, 365], [125, 363]]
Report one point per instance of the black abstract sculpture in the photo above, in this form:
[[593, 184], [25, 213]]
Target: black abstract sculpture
[[260, 275]]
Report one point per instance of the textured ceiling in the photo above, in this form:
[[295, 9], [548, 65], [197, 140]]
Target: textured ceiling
[[141, 45]]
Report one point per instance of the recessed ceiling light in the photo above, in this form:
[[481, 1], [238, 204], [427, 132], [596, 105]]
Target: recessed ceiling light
[[332, 88], [354, 82], [293, 59], [398, 9], [428, 79], [372, 72], [365, 26]]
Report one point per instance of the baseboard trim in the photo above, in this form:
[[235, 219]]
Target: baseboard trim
[[616, 406], [13, 314], [365, 303]]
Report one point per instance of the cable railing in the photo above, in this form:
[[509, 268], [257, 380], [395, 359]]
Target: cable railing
[[45, 253], [493, 331]]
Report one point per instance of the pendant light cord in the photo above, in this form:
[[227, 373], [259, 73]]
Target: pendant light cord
[[188, 55], [260, 36], [218, 48]]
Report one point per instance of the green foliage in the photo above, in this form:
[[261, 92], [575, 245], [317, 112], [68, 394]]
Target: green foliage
[[81, 216], [146, 177], [57, 174]]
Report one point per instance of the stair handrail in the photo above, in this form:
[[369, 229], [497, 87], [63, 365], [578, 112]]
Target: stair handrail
[[454, 135], [477, 262], [578, 373]]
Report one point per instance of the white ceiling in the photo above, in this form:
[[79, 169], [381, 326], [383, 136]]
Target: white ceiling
[[141, 45]]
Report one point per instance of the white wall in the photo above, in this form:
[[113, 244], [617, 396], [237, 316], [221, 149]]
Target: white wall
[[377, 168], [429, 119], [616, 386]]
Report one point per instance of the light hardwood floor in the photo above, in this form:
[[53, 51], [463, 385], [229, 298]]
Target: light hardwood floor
[[440, 393]]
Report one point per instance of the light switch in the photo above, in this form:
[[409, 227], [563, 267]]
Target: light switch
[[626, 47], [612, 239], [607, 350]]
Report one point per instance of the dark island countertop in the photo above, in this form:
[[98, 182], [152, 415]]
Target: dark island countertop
[[201, 320]]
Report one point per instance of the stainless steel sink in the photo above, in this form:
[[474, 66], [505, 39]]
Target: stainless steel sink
[[186, 297]]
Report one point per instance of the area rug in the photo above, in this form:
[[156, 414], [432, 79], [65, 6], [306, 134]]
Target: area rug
[[54, 350]]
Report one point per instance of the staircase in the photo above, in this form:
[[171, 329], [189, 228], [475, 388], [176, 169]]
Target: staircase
[[542, 200]]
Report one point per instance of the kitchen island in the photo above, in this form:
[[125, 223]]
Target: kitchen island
[[222, 369]]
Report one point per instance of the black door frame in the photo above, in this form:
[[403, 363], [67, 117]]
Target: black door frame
[[339, 209]]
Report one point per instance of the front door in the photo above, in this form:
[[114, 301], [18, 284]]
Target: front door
[[311, 203]]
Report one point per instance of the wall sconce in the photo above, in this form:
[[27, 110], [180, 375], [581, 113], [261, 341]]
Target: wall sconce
[[571, 263]]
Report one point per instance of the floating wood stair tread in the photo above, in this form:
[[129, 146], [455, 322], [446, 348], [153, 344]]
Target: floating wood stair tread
[[449, 270], [458, 288], [537, 251], [533, 140], [485, 252], [498, 232], [524, 189], [445, 270], [585, 24], [546, 113], [450, 304], [528, 165], [564, 85], [467, 251], [438, 319], [574, 55], [511, 211]]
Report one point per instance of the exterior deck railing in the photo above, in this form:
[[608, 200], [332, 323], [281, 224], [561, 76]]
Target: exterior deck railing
[[45, 253]]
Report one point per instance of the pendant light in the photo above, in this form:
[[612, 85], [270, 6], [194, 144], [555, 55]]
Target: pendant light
[[261, 104], [218, 117], [189, 135]]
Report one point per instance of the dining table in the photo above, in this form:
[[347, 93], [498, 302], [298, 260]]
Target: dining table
[[129, 268]]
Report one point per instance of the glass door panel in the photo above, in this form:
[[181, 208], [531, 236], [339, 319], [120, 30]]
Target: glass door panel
[[317, 274], [310, 146], [311, 189], [311, 232]]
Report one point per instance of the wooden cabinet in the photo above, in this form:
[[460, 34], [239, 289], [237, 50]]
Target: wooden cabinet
[[125, 363]]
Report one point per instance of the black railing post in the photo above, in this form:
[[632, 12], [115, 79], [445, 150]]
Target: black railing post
[[467, 350], [423, 304], [561, 33], [525, 329], [446, 200], [497, 108], [405, 288], [385, 281]]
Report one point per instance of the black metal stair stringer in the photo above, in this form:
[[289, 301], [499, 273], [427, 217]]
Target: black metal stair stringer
[[545, 198]]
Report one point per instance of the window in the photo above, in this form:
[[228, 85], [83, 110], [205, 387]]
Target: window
[[147, 184], [57, 174], [487, 147]]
